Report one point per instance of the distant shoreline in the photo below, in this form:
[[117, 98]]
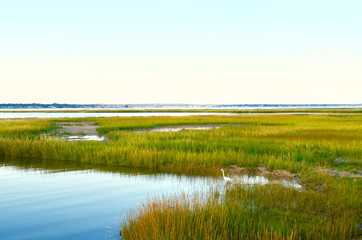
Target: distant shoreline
[[137, 107], [94, 113], [186, 110]]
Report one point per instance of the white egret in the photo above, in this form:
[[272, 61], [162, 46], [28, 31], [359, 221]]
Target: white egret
[[227, 179]]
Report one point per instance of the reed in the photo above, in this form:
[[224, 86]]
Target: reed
[[20, 128], [294, 143], [259, 212], [326, 208]]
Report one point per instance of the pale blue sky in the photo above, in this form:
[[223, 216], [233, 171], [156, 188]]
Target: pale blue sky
[[181, 51]]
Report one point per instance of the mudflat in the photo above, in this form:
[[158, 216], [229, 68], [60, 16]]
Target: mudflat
[[79, 131]]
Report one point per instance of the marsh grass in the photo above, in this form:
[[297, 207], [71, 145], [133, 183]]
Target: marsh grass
[[260, 212], [25, 128], [326, 208], [289, 142]]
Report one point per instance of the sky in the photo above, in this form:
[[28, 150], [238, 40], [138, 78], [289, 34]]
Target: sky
[[172, 51]]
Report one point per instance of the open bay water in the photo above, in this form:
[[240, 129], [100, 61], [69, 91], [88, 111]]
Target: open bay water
[[44, 199], [35, 114]]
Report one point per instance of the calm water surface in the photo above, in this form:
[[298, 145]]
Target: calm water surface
[[65, 200], [77, 204], [35, 114]]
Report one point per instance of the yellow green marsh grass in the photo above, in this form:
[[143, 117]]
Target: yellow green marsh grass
[[24, 128], [290, 142], [258, 212], [327, 207]]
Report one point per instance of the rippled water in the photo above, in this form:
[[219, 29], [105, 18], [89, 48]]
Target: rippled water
[[60, 200]]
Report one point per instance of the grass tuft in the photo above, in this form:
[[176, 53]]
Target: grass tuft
[[261, 212]]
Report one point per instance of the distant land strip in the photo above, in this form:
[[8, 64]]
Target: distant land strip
[[60, 106]]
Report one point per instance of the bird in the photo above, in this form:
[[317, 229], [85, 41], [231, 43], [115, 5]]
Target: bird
[[226, 179]]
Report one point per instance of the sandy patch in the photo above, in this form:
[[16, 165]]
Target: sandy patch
[[78, 131]]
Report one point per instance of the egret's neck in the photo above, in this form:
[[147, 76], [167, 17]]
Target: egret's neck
[[223, 173]]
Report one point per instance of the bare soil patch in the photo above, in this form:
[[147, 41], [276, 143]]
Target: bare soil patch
[[338, 173], [79, 131]]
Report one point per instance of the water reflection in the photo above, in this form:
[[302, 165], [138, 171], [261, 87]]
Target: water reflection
[[85, 138], [179, 128], [44, 199]]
